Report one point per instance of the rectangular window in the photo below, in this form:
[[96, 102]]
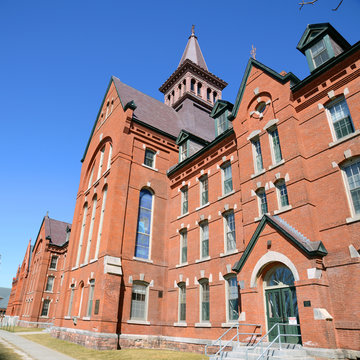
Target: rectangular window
[[227, 178], [184, 200], [340, 118], [54, 259], [183, 151], [233, 299], [45, 308], [204, 195], [138, 302], [275, 146], [149, 158], [204, 234], [230, 239], [221, 123], [183, 246], [263, 208], [49, 283], [353, 181], [182, 303], [91, 298], [71, 299], [205, 301], [282, 194], [319, 53], [258, 161]]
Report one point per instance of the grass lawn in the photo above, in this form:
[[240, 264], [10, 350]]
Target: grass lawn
[[8, 354], [82, 353], [20, 329]]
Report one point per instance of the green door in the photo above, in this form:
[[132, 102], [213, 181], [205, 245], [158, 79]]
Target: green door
[[281, 306]]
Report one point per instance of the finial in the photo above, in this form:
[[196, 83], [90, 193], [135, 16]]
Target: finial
[[193, 30], [47, 213], [253, 52]]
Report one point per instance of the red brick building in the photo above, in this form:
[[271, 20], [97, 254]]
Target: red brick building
[[196, 214], [36, 288]]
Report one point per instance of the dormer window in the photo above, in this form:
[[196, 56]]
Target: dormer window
[[221, 123], [319, 53], [183, 151]]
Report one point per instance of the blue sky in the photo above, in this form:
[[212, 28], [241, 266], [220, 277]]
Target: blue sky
[[56, 61]]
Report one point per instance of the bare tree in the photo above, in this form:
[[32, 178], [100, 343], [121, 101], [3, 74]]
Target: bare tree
[[312, 2]]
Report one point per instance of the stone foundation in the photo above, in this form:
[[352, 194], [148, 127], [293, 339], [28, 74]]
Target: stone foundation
[[34, 324]]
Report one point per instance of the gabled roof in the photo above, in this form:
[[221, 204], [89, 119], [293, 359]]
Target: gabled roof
[[193, 52], [184, 135], [276, 76], [219, 107], [310, 248], [314, 32]]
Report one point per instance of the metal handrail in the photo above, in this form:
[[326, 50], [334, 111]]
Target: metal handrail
[[278, 337], [236, 325]]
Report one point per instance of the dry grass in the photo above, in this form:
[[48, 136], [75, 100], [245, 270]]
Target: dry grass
[[82, 353], [17, 329]]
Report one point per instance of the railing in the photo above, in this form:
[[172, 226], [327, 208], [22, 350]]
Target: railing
[[278, 337], [225, 343]]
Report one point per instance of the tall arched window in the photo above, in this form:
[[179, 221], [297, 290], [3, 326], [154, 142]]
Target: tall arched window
[[142, 246], [81, 234], [91, 229], [101, 222]]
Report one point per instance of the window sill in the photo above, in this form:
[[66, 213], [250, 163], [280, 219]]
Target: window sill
[[53, 269], [139, 322], [228, 324], [203, 259], [228, 194], [347, 137], [181, 216], [149, 167], [180, 324], [82, 265], [75, 267], [231, 252], [181, 265], [44, 317], [202, 206], [284, 209], [277, 164], [257, 174], [86, 318], [143, 260], [203, 324], [67, 317], [96, 183], [260, 217], [93, 260], [49, 292], [353, 219]]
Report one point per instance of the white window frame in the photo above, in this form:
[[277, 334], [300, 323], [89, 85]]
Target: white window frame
[[71, 299], [255, 141], [183, 245], [259, 200], [181, 286], [83, 225], [81, 299], [48, 301], [202, 239], [56, 262], [223, 170], [101, 163], [148, 150], [226, 230], [348, 163], [203, 282], [328, 108], [183, 150], [101, 222], [91, 176], [271, 132], [227, 298], [91, 298], [109, 157], [184, 199], [278, 185], [204, 189], [91, 229], [324, 50], [146, 302], [50, 279]]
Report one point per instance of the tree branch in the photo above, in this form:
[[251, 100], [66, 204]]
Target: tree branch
[[307, 3], [338, 5]]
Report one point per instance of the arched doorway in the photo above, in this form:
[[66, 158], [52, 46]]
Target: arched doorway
[[281, 303]]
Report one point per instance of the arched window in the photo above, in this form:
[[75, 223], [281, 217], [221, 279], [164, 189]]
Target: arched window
[[102, 152], [101, 222], [81, 234], [92, 221], [282, 194], [263, 207], [142, 247], [192, 85], [351, 171], [208, 94], [91, 176], [199, 89], [214, 97], [204, 301], [109, 158], [182, 302], [91, 298]]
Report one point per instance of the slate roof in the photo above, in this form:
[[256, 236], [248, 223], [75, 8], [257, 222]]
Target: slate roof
[[4, 297], [56, 231], [152, 112]]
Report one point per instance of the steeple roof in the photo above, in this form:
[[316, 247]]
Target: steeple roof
[[193, 51]]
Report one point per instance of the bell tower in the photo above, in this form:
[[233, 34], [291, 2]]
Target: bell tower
[[192, 80]]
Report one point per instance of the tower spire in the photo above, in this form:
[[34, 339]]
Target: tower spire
[[193, 52]]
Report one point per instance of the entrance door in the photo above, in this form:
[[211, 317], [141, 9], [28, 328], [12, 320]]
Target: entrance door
[[281, 305]]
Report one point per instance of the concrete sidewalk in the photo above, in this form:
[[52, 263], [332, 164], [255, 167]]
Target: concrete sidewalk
[[36, 351]]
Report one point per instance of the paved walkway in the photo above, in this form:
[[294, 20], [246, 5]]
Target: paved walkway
[[34, 350]]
